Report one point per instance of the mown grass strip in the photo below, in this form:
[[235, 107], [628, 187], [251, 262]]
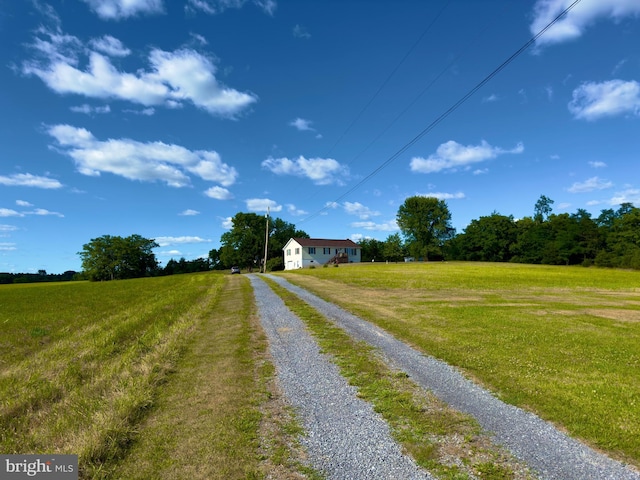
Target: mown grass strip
[[218, 417], [559, 341], [206, 421], [85, 390], [444, 441]]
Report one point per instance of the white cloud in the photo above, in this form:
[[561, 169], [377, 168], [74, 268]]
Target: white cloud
[[28, 180], [262, 204], [302, 124], [189, 213], [119, 9], [592, 101], [390, 226], [356, 208], [322, 171], [7, 247], [453, 156], [576, 21], [490, 98], [201, 40], [23, 203], [149, 111], [593, 183], [110, 45], [443, 196], [168, 241], [44, 212], [170, 253], [173, 78], [227, 223], [630, 195], [7, 228], [296, 212], [219, 193], [140, 161], [549, 91], [7, 212], [214, 7], [88, 109], [300, 32], [597, 164]]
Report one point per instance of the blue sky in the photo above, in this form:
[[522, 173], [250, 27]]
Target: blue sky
[[166, 118]]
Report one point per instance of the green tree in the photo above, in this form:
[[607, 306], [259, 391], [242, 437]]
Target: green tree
[[622, 248], [393, 249], [542, 209], [372, 249], [531, 241], [425, 223], [115, 258], [487, 239], [243, 245]]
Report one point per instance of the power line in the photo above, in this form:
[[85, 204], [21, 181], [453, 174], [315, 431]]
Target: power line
[[393, 72], [448, 112]]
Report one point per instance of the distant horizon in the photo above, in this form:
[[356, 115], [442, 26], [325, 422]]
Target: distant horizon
[[165, 119]]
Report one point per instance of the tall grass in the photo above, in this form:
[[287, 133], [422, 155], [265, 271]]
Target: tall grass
[[80, 363], [563, 342]]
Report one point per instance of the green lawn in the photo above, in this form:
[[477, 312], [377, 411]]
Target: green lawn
[[148, 378], [563, 342]]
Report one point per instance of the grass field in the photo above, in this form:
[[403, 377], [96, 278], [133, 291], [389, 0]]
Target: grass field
[[125, 374], [150, 378], [562, 342]]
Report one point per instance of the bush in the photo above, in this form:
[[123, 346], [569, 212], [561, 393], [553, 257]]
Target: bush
[[275, 264]]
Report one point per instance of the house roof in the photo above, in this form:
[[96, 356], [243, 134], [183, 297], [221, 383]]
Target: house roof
[[322, 242]]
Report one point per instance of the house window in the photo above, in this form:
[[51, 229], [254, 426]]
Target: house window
[[288, 252], [312, 250], [326, 251], [297, 251], [351, 251]]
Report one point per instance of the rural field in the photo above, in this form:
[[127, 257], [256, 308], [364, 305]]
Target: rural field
[[172, 373], [563, 342], [140, 376]]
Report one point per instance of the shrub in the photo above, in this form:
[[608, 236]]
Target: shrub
[[275, 264]]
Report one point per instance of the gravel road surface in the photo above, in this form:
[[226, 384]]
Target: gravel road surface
[[345, 438], [551, 453]]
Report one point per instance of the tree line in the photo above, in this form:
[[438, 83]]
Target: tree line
[[610, 240], [116, 258]]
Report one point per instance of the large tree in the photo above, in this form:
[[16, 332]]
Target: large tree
[[243, 245], [487, 239], [115, 258], [425, 223], [393, 249]]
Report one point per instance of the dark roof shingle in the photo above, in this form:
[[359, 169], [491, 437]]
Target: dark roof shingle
[[322, 242]]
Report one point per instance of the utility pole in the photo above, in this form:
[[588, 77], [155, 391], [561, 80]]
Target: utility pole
[[266, 243]]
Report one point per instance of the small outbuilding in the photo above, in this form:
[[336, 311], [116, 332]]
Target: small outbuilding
[[308, 252]]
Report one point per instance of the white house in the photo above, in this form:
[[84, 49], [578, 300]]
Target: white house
[[307, 252]]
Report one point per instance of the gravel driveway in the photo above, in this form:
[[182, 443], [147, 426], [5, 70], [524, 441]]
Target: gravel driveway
[[551, 453], [345, 438]]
